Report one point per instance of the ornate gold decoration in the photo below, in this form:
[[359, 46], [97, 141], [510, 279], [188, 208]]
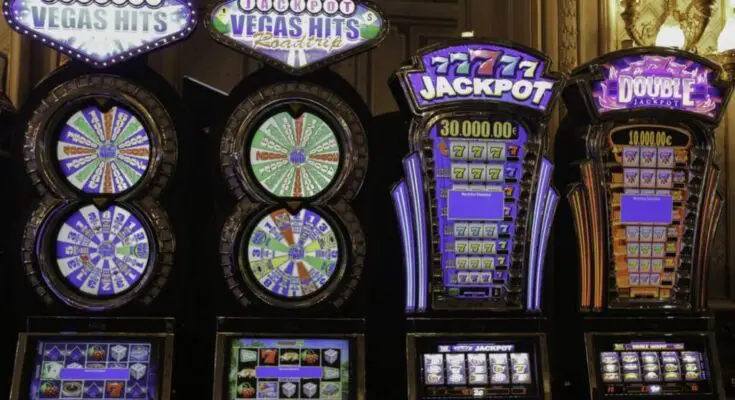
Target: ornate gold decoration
[[644, 18]]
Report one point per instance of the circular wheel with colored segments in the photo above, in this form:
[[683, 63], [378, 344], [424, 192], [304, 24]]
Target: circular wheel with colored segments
[[294, 141], [293, 259], [294, 157], [98, 258], [293, 255], [100, 136], [103, 152]]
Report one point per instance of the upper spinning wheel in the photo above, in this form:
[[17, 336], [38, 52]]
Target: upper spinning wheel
[[294, 141], [103, 152], [100, 136]]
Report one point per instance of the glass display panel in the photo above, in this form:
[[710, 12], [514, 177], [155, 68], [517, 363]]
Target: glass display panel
[[488, 369], [649, 176], [102, 253], [478, 166], [103, 152], [294, 156], [289, 368], [676, 366], [293, 256], [75, 368]]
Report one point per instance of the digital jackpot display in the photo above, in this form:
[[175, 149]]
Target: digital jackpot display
[[645, 232], [72, 368], [481, 369], [102, 32], [489, 181], [289, 368], [297, 36], [650, 367]]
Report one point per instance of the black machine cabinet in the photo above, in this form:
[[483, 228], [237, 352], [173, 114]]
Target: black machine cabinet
[[636, 156], [293, 155], [474, 211]]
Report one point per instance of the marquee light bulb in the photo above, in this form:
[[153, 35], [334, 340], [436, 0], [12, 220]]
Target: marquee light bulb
[[670, 34], [726, 40]]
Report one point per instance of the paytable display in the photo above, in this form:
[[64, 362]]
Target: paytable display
[[650, 189], [74, 369], [478, 166], [476, 206], [271, 368], [651, 367]]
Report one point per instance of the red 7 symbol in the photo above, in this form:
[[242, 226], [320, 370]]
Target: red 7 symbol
[[489, 57]]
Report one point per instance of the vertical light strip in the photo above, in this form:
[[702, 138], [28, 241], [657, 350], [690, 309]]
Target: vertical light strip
[[402, 205], [414, 177], [538, 207], [552, 200]]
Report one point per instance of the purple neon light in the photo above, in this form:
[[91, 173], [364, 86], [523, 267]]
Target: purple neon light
[[538, 206], [403, 211], [552, 200], [414, 178]]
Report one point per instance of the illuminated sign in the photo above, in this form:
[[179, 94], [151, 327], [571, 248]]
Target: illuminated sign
[[102, 32], [475, 72], [652, 81], [297, 36]]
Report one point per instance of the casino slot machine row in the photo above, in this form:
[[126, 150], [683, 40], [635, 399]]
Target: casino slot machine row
[[638, 148], [97, 258], [293, 154], [475, 210]]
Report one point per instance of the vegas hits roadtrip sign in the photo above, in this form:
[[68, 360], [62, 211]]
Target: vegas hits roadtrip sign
[[475, 72], [297, 36], [102, 32], [658, 81]]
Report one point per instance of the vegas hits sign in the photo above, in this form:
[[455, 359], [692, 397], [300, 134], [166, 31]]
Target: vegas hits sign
[[102, 32], [297, 36], [476, 72]]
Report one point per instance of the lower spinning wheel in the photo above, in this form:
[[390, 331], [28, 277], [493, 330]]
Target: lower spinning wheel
[[294, 259], [99, 258]]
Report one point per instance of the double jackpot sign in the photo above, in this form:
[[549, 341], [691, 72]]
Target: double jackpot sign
[[476, 204], [647, 206]]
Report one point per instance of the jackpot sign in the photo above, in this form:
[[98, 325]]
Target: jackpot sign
[[653, 81], [102, 32], [477, 72], [297, 35]]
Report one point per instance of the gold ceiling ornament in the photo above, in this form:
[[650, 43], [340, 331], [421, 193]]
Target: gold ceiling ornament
[[644, 18]]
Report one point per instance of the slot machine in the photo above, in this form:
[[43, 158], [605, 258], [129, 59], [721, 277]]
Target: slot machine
[[475, 211], [638, 154], [293, 153], [96, 257]]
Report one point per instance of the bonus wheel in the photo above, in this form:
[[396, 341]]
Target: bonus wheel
[[98, 259], [102, 253], [100, 135], [294, 157], [294, 141], [293, 259], [293, 256], [103, 152]]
